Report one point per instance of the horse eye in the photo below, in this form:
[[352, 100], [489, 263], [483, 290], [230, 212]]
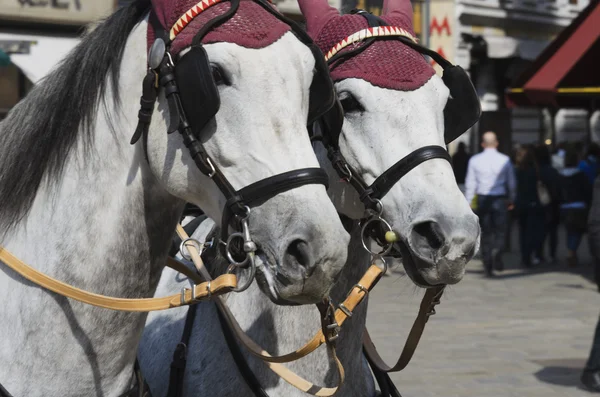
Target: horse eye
[[350, 103], [218, 75]]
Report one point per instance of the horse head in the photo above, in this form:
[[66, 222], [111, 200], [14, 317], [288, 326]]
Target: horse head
[[245, 79], [395, 106]]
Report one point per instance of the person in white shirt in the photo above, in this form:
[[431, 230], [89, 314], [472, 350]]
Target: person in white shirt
[[491, 177]]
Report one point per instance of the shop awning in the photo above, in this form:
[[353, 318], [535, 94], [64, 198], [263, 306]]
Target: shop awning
[[566, 72], [45, 52]]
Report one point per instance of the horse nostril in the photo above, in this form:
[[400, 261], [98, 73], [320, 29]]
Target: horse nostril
[[300, 252], [432, 233]]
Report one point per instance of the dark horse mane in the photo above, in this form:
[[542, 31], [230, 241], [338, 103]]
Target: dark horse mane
[[40, 131]]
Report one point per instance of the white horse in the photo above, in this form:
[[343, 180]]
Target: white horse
[[381, 126], [81, 204]]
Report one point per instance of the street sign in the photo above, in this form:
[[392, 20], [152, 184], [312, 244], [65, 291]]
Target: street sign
[[60, 12]]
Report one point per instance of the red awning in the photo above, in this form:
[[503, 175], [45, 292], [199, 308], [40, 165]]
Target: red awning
[[566, 72]]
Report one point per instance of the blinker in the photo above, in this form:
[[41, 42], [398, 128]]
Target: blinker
[[157, 53]]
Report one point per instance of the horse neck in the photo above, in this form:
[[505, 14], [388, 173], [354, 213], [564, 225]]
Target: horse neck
[[104, 226], [282, 329]]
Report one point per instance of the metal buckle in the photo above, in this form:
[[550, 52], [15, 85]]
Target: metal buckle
[[208, 291], [361, 287], [344, 309], [213, 170]]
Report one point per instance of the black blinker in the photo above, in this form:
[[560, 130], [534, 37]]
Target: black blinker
[[463, 108], [199, 93]]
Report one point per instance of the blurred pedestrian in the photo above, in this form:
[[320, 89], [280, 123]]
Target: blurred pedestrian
[[591, 373], [460, 161], [550, 177], [558, 158], [589, 165], [490, 177], [576, 194], [529, 209]]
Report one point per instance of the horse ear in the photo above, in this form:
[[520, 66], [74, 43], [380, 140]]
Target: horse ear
[[161, 10], [398, 8], [317, 14]]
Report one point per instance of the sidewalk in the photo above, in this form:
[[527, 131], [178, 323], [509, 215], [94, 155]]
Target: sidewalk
[[523, 333]]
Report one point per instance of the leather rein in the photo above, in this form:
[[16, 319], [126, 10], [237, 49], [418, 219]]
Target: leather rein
[[327, 335]]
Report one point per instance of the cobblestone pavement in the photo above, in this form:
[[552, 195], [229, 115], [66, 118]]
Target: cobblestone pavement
[[523, 333]]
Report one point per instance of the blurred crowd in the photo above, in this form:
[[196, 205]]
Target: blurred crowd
[[535, 187], [539, 190]]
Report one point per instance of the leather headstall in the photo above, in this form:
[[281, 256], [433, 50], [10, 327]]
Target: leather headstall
[[162, 74]]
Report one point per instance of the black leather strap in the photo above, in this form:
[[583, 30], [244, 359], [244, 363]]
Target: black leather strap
[[179, 362], [257, 193], [239, 359], [386, 181], [386, 385]]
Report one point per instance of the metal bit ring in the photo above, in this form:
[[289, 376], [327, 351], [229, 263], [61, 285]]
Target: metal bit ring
[[183, 249], [232, 261], [386, 248], [250, 279]]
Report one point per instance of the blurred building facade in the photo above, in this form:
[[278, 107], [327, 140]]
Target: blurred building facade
[[35, 35], [494, 40]]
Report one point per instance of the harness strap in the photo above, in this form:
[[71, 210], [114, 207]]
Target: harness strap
[[234, 327], [358, 293], [179, 362], [386, 385], [201, 291], [427, 309], [239, 359]]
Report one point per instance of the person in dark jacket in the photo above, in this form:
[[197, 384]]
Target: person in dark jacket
[[550, 177], [576, 195], [589, 165], [460, 162], [591, 373], [528, 207]]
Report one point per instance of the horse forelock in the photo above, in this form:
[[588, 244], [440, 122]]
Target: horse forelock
[[387, 63], [251, 26]]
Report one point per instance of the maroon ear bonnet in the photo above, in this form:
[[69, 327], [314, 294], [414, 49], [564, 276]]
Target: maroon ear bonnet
[[250, 27], [385, 63]]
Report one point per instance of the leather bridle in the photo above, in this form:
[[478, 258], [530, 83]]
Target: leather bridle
[[371, 195], [238, 202]]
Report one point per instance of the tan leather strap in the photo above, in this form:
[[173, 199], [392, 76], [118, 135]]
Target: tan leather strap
[[427, 309], [277, 366], [357, 294], [202, 291], [282, 371]]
